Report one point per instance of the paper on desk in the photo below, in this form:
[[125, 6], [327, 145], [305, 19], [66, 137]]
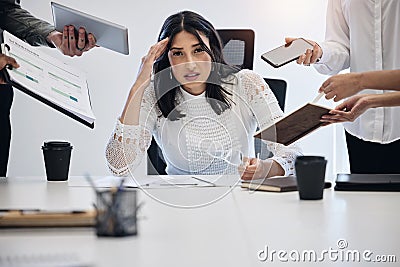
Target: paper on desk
[[43, 259], [198, 180], [112, 181], [158, 181], [178, 180]]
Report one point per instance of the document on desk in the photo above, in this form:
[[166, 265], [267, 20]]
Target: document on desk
[[198, 180], [49, 80], [111, 181], [158, 181], [43, 259], [180, 180]]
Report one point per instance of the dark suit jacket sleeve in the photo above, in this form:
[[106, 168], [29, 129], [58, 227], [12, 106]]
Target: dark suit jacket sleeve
[[22, 24]]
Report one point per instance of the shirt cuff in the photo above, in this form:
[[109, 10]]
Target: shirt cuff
[[50, 44], [284, 164], [325, 54]]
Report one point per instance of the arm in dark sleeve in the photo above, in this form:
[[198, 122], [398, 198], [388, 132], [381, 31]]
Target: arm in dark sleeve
[[22, 24]]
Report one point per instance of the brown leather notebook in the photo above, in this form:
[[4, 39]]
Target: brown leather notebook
[[275, 184], [41, 218], [295, 125]]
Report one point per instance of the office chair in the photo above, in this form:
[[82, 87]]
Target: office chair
[[278, 87], [238, 50], [238, 47], [155, 160]]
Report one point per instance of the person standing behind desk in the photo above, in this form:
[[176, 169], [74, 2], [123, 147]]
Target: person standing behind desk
[[22, 24], [364, 35]]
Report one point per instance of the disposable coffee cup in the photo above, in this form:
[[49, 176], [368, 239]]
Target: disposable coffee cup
[[310, 173], [57, 156]]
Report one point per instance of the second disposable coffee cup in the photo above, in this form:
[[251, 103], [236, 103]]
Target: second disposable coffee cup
[[310, 173], [57, 156]]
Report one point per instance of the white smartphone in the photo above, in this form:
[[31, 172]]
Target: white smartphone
[[286, 53]]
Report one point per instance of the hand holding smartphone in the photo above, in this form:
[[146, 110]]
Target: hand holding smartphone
[[286, 53]]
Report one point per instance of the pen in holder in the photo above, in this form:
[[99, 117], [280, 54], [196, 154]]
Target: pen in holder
[[116, 212]]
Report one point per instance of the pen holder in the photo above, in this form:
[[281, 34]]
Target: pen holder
[[116, 213]]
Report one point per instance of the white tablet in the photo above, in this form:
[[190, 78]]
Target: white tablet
[[108, 34]]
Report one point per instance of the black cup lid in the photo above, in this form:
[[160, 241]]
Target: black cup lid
[[56, 144], [310, 158]]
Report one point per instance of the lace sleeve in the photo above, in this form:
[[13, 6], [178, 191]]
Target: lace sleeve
[[284, 155], [129, 143], [266, 110], [126, 148]]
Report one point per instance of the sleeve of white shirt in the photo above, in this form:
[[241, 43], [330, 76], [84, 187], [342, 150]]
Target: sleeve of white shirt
[[266, 110], [336, 47], [128, 143]]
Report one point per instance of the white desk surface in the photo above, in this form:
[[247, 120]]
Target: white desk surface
[[228, 232]]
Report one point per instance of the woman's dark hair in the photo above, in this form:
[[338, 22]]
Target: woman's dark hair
[[166, 86]]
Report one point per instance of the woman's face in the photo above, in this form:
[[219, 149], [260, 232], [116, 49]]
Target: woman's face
[[191, 65]]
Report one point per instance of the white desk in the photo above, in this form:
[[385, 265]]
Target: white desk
[[229, 232]]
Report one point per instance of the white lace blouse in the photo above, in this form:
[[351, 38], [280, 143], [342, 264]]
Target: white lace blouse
[[202, 142]]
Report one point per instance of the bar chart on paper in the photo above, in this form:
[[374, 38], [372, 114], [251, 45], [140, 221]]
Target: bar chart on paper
[[63, 85]]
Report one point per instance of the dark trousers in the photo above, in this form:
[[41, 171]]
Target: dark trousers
[[370, 157], [6, 98]]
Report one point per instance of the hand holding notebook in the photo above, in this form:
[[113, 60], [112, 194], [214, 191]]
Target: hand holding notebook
[[296, 125]]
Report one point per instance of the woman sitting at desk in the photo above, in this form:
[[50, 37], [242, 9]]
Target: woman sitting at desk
[[201, 112]]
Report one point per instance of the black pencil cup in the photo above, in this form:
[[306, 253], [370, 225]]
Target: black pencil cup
[[116, 213]]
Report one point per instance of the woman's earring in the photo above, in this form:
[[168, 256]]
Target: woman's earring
[[170, 73]]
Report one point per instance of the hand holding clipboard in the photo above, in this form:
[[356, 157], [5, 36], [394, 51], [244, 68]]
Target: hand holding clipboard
[[5, 60], [47, 79]]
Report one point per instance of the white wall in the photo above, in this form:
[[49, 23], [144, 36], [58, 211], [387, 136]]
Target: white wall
[[110, 75]]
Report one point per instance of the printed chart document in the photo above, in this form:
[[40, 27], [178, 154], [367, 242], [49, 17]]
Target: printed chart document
[[49, 80], [295, 125]]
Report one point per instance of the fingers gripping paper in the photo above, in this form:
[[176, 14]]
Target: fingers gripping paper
[[49, 80]]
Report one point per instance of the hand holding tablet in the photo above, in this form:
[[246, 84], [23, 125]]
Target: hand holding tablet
[[108, 35], [72, 42]]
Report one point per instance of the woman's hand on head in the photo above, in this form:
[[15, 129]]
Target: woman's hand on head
[[132, 107], [146, 66]]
